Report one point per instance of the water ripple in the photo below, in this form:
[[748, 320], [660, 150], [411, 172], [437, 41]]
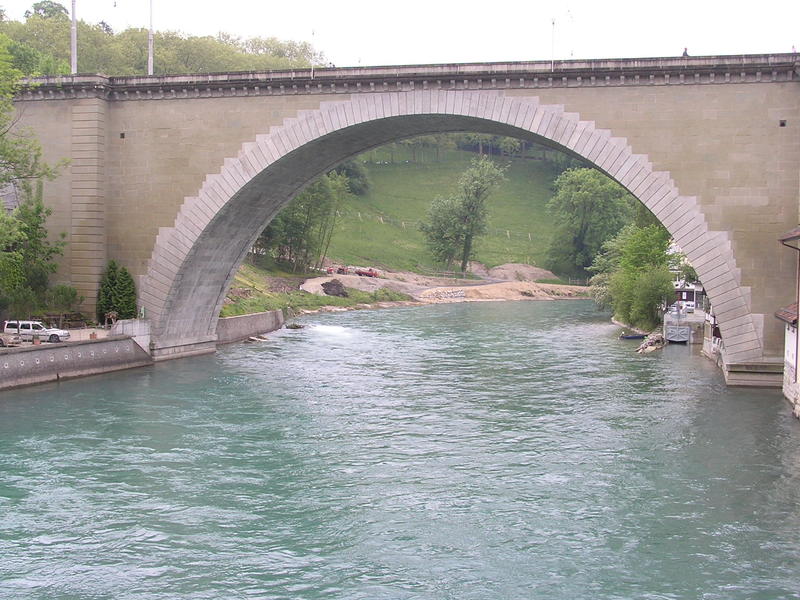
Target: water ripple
[[497, 450]]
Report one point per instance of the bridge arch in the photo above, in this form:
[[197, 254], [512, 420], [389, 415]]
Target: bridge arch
[[193, 262]]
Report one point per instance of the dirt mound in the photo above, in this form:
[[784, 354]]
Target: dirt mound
[[507, 290], [479, 269], [520, 272]]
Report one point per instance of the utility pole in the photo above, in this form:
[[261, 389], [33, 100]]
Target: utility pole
[[149, 42], [553, 47], [73, 63]]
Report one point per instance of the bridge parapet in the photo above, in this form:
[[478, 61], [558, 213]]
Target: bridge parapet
[[759, 68]]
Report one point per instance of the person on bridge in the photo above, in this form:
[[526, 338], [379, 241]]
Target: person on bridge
[[685, 52]]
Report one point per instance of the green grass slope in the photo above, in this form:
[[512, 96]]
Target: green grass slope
[[381, 228]]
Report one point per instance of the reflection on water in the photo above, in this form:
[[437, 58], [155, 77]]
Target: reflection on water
[[493, 450]]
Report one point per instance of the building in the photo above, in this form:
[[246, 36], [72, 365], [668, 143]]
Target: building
[[788, 314]]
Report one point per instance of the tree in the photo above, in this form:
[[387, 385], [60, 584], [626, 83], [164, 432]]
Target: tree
[[37, 252], [441, 229], [123, 295], [42, 46], [632, 276], [117, 293], [47, 9], [340, 188], [27, 256], [105, 295], [357, 177], [589, 208], [298, 235], [62, 298], [454, 224]]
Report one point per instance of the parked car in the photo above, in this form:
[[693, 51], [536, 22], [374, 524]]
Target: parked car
[[341, 270], [27, 330], [7, 340]]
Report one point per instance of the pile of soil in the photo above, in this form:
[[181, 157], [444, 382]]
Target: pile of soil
[[283, 285], [519, 272], [507, 290]]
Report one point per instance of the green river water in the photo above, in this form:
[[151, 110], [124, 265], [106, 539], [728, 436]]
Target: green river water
[[464, 451]]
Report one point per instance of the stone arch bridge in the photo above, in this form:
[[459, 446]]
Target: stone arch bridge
[[174, 177]]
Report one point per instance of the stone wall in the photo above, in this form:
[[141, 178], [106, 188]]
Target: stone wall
[[53, 362], [235, 329]]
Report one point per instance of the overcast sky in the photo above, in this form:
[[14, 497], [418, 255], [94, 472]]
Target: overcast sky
[[355, 32]]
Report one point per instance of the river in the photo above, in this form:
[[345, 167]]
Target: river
[[464, 451]]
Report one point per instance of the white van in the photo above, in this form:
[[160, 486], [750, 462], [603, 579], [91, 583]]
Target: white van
[[27, 330]]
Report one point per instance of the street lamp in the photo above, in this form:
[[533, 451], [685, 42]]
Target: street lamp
[[149, 42], [73, 63]]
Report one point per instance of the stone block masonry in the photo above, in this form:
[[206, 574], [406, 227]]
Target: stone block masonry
[[87, 211]]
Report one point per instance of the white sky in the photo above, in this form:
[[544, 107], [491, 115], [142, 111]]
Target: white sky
[[371, 32]]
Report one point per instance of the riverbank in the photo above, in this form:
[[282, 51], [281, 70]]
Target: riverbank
[[472, 291], [258, 289]]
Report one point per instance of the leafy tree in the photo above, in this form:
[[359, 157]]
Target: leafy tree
[[301, 233], [686, 272], [37, 253], [10, 232], [443, 235], [22, 302], [63, 298], [358, 181], [42, 46], [339, 184], [632, 276], [298, 234], [47, 9], [510, 146], [27, 257], [455, 223], [589, 208]]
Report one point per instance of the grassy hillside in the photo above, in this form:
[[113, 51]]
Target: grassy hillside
[[381, 228]]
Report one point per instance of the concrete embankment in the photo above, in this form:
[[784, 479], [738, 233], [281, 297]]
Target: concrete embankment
[[54, 362], [236, 329], [124, 348]]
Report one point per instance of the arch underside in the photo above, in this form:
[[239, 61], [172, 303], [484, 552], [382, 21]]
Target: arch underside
[[193, 262]]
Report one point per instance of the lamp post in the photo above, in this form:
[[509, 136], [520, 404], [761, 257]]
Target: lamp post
[[73, 63], [149, 42]]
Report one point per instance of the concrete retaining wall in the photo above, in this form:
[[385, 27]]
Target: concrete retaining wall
[[138, 329], [235, 329], [53, 362]]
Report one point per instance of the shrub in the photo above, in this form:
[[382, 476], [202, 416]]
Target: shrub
[[117, 293]]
